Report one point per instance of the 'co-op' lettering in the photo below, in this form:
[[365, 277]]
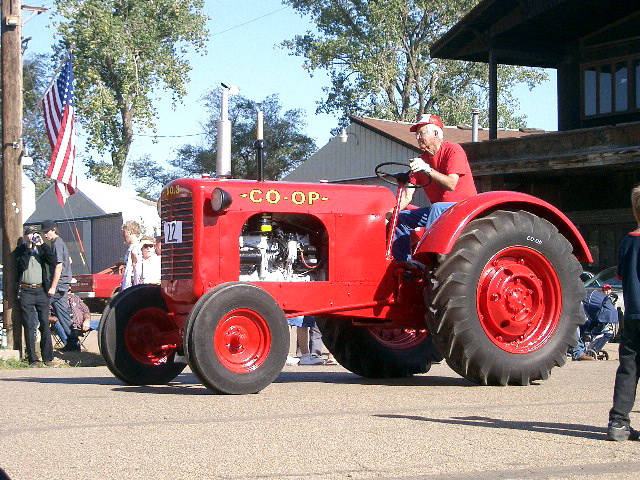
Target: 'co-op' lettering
[[274, 196]]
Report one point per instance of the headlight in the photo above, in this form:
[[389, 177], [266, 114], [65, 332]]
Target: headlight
[[220, 200]]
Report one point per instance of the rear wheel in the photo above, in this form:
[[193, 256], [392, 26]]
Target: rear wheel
[[238, 340], [138, 339], [376, 352], [507, 300]]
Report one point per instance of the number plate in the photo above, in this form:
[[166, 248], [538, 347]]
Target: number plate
[[172, 231]]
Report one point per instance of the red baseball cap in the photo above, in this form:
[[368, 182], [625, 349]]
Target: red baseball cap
[[427, 119], [606, 286]]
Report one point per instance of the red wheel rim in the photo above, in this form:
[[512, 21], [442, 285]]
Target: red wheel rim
[[146, 336], [398, 338], [242, 340], [519, 300]]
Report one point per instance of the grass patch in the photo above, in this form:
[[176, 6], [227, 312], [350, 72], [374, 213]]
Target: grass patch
[[12, 364]]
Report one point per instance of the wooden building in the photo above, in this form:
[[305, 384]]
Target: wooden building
[[589, 166]]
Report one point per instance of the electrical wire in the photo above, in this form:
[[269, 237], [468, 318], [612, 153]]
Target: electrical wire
[[248, 22]]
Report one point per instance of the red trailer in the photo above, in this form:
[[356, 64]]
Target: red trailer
[[499, 298]]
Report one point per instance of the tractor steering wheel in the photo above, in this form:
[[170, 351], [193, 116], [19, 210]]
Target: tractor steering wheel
[[394, 178]]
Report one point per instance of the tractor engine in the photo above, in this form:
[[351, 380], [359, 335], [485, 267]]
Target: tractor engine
[[277, 252]]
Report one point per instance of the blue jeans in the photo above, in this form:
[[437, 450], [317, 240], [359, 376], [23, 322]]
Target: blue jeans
[[600, 339], [62, 335], [580, 349], [60, 305], [410, 219]]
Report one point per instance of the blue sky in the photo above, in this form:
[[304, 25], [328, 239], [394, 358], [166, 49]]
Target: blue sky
[[243, 50]]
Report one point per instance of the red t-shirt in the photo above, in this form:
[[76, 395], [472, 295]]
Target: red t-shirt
[[451, 158]]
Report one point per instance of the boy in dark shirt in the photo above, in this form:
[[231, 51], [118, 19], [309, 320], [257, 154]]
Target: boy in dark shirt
[[624, 392]]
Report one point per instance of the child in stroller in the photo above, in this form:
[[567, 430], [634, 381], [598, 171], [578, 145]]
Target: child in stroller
[[600, 314]]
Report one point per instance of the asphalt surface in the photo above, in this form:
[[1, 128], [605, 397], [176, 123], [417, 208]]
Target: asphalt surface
[[314, 422]]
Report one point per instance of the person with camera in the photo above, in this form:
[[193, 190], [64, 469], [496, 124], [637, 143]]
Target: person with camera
[[60, 282], [32, 256]]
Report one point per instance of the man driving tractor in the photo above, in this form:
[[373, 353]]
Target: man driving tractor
[[444, 171]]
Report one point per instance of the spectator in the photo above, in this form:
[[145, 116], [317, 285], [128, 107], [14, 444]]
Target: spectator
[[32, 255], [158, 245], [624, 391], [80, 314], [316, 346], [146, 269], [59, 284], [303, 356], [131, 232]]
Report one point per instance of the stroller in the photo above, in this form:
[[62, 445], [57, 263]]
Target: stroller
[[601, 316]]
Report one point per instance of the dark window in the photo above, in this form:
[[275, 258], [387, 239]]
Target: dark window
[[590, 91], [611, 87], [622, 87], [604, 88], [636, 67]]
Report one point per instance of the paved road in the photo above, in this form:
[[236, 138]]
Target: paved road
[[313, 423]]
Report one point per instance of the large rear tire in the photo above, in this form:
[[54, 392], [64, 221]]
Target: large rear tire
[[507, 300], [138, 339], [238, 340], [377, 352]]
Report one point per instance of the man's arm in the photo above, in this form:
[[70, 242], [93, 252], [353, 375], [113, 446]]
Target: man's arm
[[57, 272], [447, 181]]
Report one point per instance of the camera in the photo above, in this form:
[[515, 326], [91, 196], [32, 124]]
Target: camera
[[36, 238]]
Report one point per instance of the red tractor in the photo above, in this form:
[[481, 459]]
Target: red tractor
[[499, 298]]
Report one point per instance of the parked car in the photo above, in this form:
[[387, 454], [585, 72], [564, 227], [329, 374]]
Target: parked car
[[97, 289]]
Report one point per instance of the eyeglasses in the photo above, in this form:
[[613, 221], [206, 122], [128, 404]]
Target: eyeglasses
[[148, 246], [421, 134]]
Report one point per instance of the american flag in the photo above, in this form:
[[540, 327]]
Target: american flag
[[57, 105]]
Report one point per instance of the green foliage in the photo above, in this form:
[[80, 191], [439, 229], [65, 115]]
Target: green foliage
[[36, 72], [286, 146], [126, 51], [377, 55]]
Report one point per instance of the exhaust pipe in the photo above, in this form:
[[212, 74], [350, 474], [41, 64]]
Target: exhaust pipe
[[223, 150]]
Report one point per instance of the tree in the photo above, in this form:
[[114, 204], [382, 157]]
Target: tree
[[125, 50], [286, 146], [377, 55], [36, 73]]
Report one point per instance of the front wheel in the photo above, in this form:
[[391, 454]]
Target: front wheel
[[238, 339], [138, 339], [376, 352], [507, 300]]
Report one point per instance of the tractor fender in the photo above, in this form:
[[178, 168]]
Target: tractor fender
[[440, 237]]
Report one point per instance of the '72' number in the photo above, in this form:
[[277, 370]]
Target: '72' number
[[173, 232]]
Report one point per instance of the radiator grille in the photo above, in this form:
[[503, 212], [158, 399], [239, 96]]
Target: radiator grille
[[177, 258]]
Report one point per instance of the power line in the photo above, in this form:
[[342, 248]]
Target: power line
[[169, 136], [247, 22]]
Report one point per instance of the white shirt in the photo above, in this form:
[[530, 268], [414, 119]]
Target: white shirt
[[147, 270], [127, 276]]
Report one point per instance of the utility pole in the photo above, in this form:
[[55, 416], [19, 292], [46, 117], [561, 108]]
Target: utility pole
[[11, 169]]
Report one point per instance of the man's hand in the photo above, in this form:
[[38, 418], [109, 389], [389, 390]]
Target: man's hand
[[419, 165]]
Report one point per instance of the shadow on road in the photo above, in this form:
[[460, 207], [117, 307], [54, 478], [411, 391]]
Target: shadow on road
[[188, 383], [315, 376], [565, 429]]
